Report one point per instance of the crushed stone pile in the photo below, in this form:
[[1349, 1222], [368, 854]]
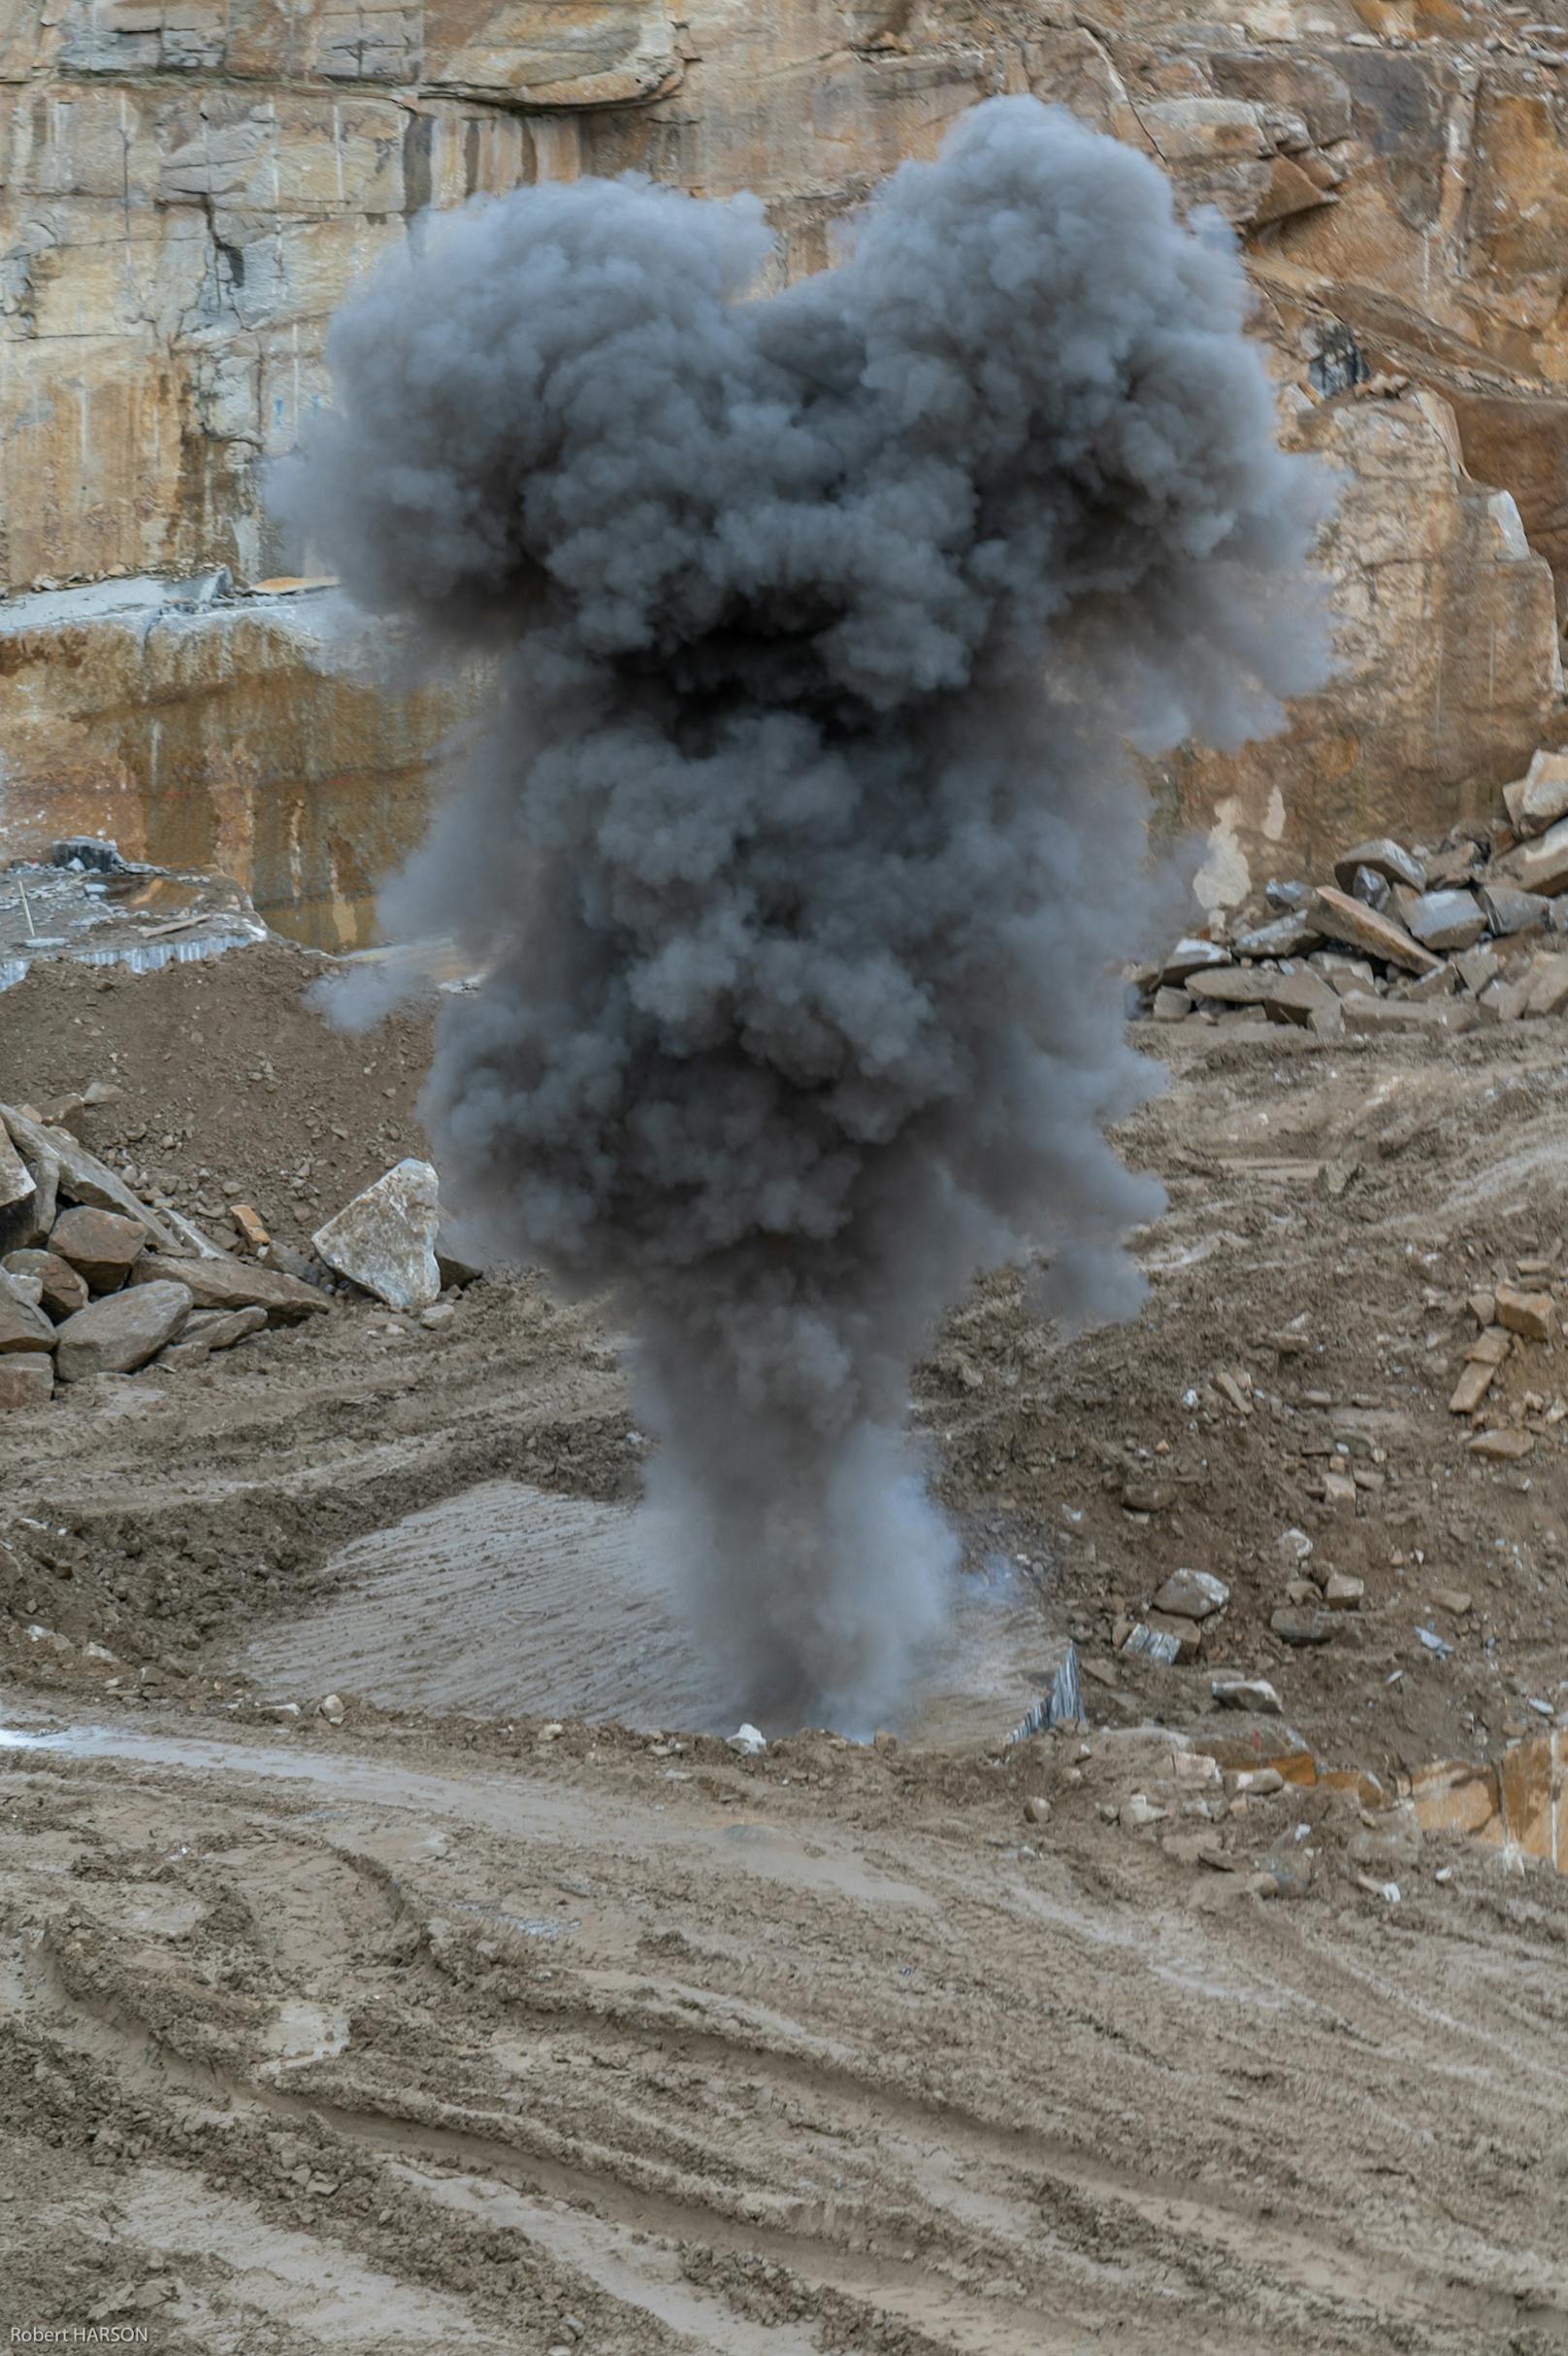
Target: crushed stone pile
[[1471, 934]]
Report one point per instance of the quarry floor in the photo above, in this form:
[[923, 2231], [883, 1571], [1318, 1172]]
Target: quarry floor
[[490, 2025]]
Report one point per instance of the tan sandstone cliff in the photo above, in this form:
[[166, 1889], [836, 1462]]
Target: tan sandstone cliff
[[188, 187]]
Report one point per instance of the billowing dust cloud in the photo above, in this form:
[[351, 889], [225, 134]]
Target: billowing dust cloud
[[800, 849]]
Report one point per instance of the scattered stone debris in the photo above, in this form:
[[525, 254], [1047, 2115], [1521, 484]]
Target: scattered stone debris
[[1468, 935]]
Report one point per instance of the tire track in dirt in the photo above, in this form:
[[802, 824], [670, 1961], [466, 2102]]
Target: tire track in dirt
[[1022, 2238]]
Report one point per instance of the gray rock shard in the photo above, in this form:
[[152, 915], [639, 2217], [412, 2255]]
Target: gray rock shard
[[1292, 934], [385, 1239], [1509, 910], [1445, 920], [1254, 1693], [1193, 956]]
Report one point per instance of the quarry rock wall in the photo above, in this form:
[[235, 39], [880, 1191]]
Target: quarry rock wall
[[189, 188]]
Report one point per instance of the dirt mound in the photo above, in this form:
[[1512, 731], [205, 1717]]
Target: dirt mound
[[234, 1087]]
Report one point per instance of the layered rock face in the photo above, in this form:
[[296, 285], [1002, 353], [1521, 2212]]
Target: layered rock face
[[189, 191]]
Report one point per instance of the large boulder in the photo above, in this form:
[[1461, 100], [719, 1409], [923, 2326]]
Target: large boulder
[[120, 1333], [385, 1239]]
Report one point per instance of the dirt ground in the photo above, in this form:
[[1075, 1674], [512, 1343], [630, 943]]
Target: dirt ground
[[428, 2024]]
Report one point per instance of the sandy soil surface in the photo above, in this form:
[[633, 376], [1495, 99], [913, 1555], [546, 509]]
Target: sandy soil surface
[[477, 2020]]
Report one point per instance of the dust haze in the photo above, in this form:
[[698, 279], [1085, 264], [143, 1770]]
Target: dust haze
[[801, 852]]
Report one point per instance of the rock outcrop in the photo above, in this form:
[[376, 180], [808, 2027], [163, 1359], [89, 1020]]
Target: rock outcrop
[[189, 193]]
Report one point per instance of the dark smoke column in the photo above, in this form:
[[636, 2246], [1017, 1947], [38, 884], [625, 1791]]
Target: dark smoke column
[[800, 847]]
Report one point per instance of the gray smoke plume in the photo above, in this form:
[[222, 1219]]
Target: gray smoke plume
[[801, 851]]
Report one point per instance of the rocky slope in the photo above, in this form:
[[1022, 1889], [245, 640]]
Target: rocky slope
[[188, 193]]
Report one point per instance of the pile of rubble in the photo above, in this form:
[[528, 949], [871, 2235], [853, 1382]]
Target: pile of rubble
[[1472, 933], [95, 1281]]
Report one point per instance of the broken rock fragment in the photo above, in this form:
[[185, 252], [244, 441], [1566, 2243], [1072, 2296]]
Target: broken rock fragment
[[1530, 1313], [62, 1289], [1445, 920], [1501, 1447], [1546, 990], [225, 1283], [1472, 1388], [1369, 1017], [1542, 865], [1161, 1645], [1345, 919], [1252, 1693], [1191, 1595], [1193, 956], [1386, 858], [1478, 966], [23, 1325], [121, 1332], [1292, 934], [220, 1330], [1288, 998], [1297, 1627], [27, 1379], [1539, 797], [15, 1178], [1509, 910], [1138, 1811], [385, 1239]]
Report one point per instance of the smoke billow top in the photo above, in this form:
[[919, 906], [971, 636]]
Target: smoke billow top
[[799, 850]]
